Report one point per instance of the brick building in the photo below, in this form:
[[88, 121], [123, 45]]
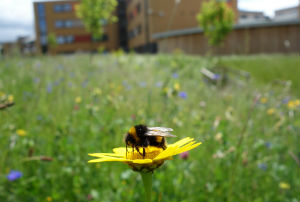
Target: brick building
[[138, 21], [59, 18]]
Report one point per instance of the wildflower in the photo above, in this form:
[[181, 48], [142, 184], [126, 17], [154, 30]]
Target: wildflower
[[182, 94], [218, 136], [49, 198], [262, 166], [177, 86], [271, 111], [216, 77], [96, 92], [49, 88], [10, 99], [13, 175], [154, 156], [263, 100], [291, 104], [184, 155], [78, 100], [21, 132], [175, 75], [284, 185]]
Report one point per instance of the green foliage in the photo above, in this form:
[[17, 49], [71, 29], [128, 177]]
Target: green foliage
[[52, 40], [70, 107], [216, 19], [96, 14]]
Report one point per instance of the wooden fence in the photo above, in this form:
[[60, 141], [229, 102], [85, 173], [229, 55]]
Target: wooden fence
[[271, 37]]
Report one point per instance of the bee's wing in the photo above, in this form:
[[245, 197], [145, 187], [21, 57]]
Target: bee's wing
[[163, 129], [159, 131]]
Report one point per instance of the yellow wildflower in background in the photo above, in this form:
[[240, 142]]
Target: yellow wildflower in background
[[96, 92], [49, 198], [271, 111], [21, 132], [10, 99], [78, 100], [154, 156], [263, 100], [284, 185], [177, 86]]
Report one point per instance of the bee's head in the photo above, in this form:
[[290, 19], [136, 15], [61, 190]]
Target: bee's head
[[140, 130]]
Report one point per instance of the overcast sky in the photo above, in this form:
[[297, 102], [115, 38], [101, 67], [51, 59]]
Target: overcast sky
[[16, 16]]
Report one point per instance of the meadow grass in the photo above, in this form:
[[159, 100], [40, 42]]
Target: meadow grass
[[70, 106]]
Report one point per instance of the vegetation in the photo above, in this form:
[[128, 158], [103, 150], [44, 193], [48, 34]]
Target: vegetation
[[96, 15], [216, 19], [66, 107]]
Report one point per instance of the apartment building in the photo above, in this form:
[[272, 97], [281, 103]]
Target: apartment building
[[148, 17], [59, 19], [138, 21]]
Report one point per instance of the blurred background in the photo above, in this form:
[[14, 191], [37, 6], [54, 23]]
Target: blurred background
[[76, 75]]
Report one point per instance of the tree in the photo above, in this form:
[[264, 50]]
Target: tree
[[51, 39], [216, 19], [95, 14]]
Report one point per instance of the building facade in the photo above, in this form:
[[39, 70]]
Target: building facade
[[139, 21], [148, 17], [58, 18]]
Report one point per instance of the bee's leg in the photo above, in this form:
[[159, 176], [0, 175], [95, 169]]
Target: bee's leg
[[126, 150], [137, 149], [144, 153]]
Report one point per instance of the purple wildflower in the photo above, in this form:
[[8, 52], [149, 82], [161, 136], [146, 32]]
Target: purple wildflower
[[182, 94], [49, 88], [216, 77], [13, 175], [184, 155], [175, 75], [262, 166]]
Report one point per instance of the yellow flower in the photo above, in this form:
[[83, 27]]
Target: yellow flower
[[297, 102], [78, 100], [271, 111], [21, 132], [284, 185], [10, 99], [153, 159], [263, 100], [177, 86], [49, 199], [97, 91]]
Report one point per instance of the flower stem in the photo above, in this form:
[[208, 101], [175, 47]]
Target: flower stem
[[147, 180]]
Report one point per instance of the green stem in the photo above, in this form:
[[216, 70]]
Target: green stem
[[147, 180]]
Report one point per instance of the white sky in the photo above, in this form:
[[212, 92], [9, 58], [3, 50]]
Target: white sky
[[16, 16]]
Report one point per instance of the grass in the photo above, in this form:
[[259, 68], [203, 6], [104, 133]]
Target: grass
[[70, 106]]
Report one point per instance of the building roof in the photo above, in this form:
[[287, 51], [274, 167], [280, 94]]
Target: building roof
[[197, 30]]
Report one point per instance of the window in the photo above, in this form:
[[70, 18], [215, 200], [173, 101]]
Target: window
[[69, 39], [67, 7], [41, 10], [62, 8], [60, 40], [43, 27], [59, 24], [57, 8], [68, 23], [65, 39]]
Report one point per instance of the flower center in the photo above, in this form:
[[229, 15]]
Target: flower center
[[150, 153]]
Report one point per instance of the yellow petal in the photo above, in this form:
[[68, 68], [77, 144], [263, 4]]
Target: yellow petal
[[105, 154], [190, 147], [142, 161], [107, 159]]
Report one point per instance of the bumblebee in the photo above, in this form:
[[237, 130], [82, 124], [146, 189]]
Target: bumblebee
[[143, 136]]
